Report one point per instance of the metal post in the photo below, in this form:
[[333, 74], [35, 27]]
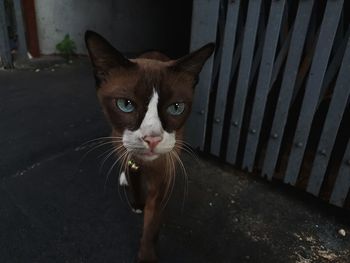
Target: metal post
[[22, 42], [5, 52]]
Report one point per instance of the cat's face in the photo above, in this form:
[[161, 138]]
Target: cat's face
[[145, 100]]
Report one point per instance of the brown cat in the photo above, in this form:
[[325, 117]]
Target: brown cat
[[146, 100]]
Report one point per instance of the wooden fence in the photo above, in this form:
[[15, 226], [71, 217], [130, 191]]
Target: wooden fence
[[274, 98]]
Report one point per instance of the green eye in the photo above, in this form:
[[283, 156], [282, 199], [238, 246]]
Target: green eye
[[125, 105], [176, 108]]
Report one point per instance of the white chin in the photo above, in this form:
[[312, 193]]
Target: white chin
[[148, 157]]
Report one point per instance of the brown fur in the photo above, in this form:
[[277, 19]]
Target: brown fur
[[174, 80]]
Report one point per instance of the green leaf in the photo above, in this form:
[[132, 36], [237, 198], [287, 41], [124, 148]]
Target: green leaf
[[66, 47]]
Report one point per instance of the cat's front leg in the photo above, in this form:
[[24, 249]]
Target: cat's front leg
[[136, 190], [151, 225]]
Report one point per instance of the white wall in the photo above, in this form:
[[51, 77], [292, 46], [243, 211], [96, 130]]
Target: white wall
[[56, 18], [131, 25]]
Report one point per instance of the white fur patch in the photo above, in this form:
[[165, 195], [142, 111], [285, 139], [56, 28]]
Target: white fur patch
[[151, 122], [150, 125], [122, 179], [136, 211]]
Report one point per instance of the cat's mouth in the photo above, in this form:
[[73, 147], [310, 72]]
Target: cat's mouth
[[148, 155], [147, 149]]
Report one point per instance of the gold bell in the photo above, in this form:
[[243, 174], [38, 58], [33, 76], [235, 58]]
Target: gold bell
[[133, 165]]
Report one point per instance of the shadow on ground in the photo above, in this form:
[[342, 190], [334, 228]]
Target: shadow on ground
[[58, 206]]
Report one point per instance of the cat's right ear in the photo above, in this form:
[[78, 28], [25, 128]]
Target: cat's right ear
[[194, 62], [103, 55]]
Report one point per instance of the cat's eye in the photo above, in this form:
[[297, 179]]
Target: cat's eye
[[125, 105], [176, 108]]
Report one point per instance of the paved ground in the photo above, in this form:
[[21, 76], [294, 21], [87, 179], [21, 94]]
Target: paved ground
[[56, 206]]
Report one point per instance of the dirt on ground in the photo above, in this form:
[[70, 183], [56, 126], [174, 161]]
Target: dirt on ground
[[58, 206]]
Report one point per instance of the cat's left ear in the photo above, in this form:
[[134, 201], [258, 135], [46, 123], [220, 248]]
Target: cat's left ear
[[194, 62], [103, 55]]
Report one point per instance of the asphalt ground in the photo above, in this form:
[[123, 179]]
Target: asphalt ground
[[58, 203]]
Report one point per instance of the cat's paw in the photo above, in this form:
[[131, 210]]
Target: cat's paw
[[147, 261], [122, 179], [153, 259], [136, 210], [147, 254]]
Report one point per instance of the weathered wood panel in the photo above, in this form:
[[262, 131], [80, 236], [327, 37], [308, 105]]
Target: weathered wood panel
[[334, 117], [225, 74], [288, 64], [204, 28], [342, 184], [245, 67], [289, 79], [264, 81], [312, 93]]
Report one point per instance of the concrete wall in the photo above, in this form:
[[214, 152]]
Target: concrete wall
[[57, 18], [132, 26]]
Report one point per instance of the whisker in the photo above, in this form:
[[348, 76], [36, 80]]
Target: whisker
[[191, 153], [127, 175], [94, 148], [189, 150], [113, 147], [101, 138], [185, 177], [185, 145], [170, 182], [122, 167], [167, 180], [110, 169], [113, 151], [102, 154], [173, 174], [134, 147], [166, 175]]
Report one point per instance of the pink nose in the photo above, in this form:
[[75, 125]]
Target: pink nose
[[152, 141]]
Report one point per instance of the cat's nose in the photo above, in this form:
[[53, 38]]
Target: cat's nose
[[152, 141]]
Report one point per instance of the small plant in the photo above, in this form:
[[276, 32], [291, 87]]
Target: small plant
[[66, 47]]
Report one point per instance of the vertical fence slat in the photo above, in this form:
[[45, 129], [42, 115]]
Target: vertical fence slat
[[249, 39], [5, 52], [339, 36], [334, 65], [259, 46], [204, 28], [285, 32], [224, 76], [331, 126], [281, 58], [342, 183], [236, 57], [314, 84], [306, 63], [316, 52], [219, 39], [264, 81], [289, 78]]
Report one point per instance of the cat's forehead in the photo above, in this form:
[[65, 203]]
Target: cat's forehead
[[149, 75]]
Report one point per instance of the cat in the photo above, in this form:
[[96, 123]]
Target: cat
[[146, 100]]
